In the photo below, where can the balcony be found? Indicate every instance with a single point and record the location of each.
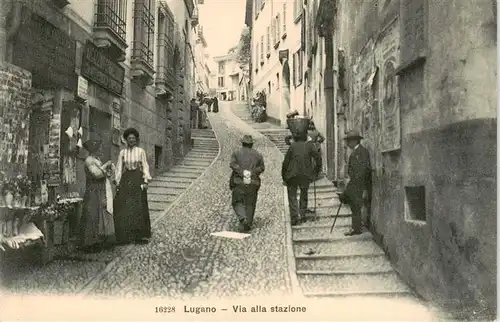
(165, 81)
(109, 30)
(142, 63)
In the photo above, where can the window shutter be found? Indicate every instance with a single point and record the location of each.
(284, 18)
(294, 72)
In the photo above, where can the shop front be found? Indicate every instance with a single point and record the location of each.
(41, 133)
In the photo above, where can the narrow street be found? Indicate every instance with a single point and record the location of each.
(184, 262)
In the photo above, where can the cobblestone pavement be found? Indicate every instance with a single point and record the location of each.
(183, 260)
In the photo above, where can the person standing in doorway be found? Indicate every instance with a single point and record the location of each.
(132, 222)
(194, 114)
(359, 182)
(302, 161)
(247, 165)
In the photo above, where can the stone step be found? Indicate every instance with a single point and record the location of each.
(166, 190)
(181, 169)
(157, 205)
(166, 181)
(322, 222)
(205, 148)
(352, 246)
(193, 161)
(182, 175)
(324, 235)
(209, 157)
(163, 198)
(355, 263)
(330, 212)
(206, 143)
(192, 167)
(320, 232)
(360, 284)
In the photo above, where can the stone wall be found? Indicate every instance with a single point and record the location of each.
(15, 100)
(446, 99)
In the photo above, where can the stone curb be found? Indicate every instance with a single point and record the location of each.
(90, 285)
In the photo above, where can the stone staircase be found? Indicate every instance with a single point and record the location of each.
(165, 188)
(331, 264)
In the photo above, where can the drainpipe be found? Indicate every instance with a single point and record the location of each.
(13, 29)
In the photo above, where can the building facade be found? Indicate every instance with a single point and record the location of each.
(415, 78)
(278, 55)
(227, 75)
(98, 69)
(202, 57)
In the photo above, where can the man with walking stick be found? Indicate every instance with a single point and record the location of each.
(298, 168)
(359, 184)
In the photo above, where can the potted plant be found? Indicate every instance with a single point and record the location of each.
(8, 190)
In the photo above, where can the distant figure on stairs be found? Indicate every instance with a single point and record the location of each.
(247, 165)
(194, 114)
(215, 105)
(359, 185)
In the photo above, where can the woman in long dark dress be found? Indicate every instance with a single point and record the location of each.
(131, 211)
(96, 226)
(215, 105)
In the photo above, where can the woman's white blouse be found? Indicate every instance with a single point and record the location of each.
(132, 159)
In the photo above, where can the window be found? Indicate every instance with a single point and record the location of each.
(297, 9)
(221, 81)
(268, 34)
(111, 14)
(415, 203)
(269, 87)
(257, 56)
(278, 28)
(284, 18)
(262, 50)
(277, 81)
(143, 32)
(165, 48)
(298, 68)
(222, 68)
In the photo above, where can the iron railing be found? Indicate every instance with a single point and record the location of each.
(144, 32)
(106, 16)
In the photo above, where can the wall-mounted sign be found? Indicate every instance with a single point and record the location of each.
(46, 51)
(101, 70)
(83, 87)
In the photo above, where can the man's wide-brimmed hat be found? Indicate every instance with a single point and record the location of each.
(93, 143)
(247, 139)
(353, 135)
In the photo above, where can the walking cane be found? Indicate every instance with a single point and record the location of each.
(336, 216)
(315, 218)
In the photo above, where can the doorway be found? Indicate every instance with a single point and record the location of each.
(100, 124)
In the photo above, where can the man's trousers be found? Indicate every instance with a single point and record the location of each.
(297, 209)
(244, 200)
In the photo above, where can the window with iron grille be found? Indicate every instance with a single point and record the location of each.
(221, 81)
(144, 21)
(165, 47)
(111, 14)
(284, 18)
(222, 68)
(297, 9)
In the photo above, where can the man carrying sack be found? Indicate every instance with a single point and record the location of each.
(359, 184)
(247, 165)
(301, 164)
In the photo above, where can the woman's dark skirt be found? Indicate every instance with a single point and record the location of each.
(131, 211)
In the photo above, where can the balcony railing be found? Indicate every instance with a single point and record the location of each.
(106, 17)
(165, 75)
(141, 52)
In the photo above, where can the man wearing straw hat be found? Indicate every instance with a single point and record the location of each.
(247, 165)
(359, 183)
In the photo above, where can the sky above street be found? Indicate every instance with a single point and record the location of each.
(222, 21)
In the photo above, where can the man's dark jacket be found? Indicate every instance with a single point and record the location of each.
(360, 173)
(246, 159)
(298, 161)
